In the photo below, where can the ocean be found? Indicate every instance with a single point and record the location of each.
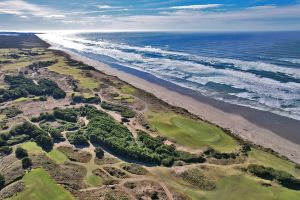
(257, 70)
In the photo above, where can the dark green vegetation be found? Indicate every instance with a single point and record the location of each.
(5, 150)
(27, 131)
(11, 112)
(41, 64)
(124, 111)
(21, 153)
(20, 86)
(26, 163)
(104, 131)
(2, 181)
(99, 152)
(55, 133)
(83, 99)
(282, 177)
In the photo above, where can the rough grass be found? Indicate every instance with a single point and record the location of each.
(84, 82)
(22, 99)
(266, 159)
(40, 186)
(191, 133)
(126, 89)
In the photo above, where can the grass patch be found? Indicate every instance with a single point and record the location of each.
(268, 160)
(22, 99)
(126, 89)
(127, 98)
(84, 82)
(31, 147)
(39, 185)
(57, 156)
(94, 180)
(191, 133)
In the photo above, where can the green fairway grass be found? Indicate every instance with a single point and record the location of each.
(191, 133)
(242, 187)
(264, 158)
(40, 186)
(57, 156)
(93, 180)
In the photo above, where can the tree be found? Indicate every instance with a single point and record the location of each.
(26, 163)
(2, 181)
(21, 153)
(45, 142)
(99, 152)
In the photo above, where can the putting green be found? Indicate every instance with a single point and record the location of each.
(191, 133)
(40, 186)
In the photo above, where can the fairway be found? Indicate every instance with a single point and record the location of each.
(239, 186)
(40, 186)
(191, 133)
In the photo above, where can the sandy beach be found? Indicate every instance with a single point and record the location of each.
(240, 120)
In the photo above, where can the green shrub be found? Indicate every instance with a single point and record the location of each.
(167, 162)
(284, 178)
(45, 142)
(21, 153)
(99, 152)
(26, 163)
(2, 181)
(5, 150)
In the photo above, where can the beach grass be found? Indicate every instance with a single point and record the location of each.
(40, 186)
(84, 82)
(269, 160)
(191, 133)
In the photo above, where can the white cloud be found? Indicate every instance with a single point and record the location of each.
(106, 7)
(262, 7)
(196, 7)
(22, 8)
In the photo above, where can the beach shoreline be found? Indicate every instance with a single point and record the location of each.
(209, 111)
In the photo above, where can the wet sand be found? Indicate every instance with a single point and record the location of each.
(279, 133)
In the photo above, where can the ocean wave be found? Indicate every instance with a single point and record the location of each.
(196, 72)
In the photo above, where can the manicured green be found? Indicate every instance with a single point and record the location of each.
(266, 159)
(242, 187)
(40, 186)
(191, 133)
(93, 180)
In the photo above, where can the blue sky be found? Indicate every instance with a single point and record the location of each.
(181, 15)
